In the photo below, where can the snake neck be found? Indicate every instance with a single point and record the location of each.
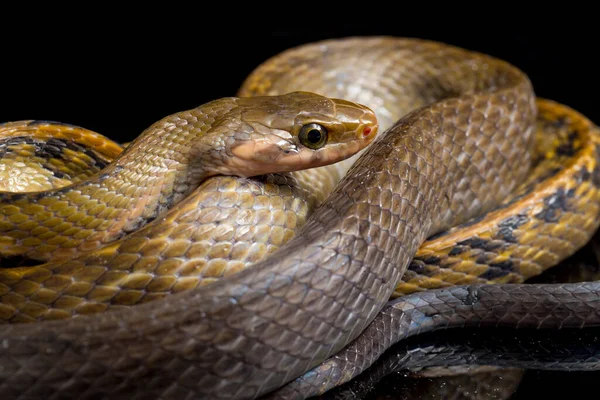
(148, 183)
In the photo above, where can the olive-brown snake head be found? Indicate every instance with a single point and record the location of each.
(298, 130)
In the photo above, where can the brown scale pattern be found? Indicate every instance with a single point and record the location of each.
(251, 331)
(539, 235)
(545, 221)
(198, 250)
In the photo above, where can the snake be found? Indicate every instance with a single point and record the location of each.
(199, 284)
(467, 351)
(461, 359)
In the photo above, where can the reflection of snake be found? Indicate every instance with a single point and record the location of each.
(459, 154)
(467, 360)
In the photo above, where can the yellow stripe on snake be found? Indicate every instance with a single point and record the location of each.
(247, 283)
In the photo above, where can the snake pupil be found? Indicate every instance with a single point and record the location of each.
(314, 136)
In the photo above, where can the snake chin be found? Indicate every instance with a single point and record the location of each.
(252, 158)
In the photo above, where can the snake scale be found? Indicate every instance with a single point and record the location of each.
(465, 361)
(229, 287)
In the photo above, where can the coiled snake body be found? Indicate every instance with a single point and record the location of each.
(463, 145)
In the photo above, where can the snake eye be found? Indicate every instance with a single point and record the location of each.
(313, 136)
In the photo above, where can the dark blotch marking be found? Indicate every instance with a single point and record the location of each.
(12, 141)
(18, 261)
(508, 225)
(53, 148)
(19, 140)
(57, 142)
(99, 162)
(560, 122)
(572, 135)
(568, 148)
(474, 243)
(554, 203)
(11, 197)
(596, 171)
(507, 235)
(498, 269)
(456, 250)
(505, 265)
(584, 175)
(596, 176)
(431, 260)
(417, 267)
(493, 273)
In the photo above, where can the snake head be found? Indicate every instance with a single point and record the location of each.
(297, 131)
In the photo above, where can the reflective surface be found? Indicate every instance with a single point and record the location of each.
(537, 352)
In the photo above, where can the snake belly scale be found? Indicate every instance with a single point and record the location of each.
(462, 143)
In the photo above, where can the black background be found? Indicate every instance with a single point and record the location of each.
(117, 78)
(119, 82)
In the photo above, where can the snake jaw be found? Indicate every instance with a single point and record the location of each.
(259, 157)
(275, 153)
